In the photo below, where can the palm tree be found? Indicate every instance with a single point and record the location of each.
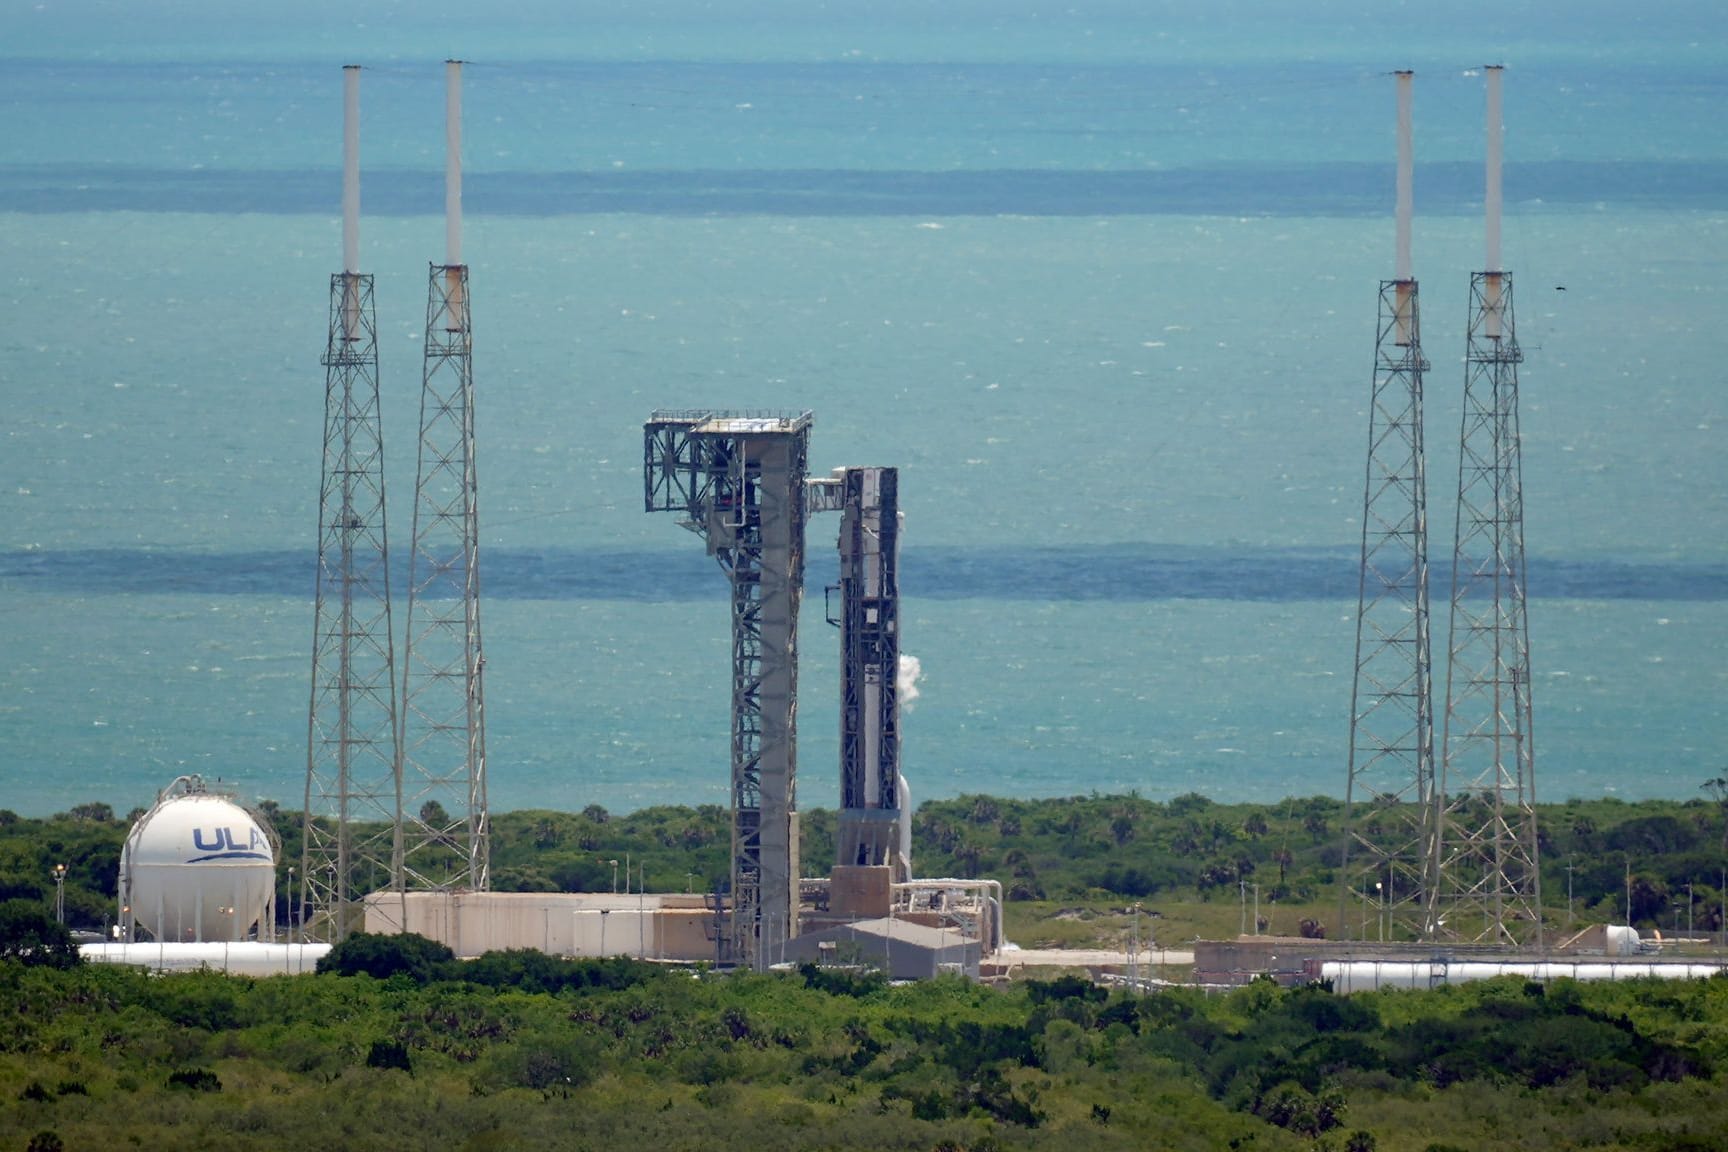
(1219, 833)
(547, 832)
(1284, 858)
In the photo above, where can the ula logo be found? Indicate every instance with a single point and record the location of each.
(227, 840)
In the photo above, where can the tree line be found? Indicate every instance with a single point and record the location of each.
(1658, 864)
(393, 1041)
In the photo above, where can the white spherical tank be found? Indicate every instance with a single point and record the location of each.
(197, 867)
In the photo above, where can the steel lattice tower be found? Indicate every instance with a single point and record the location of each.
(352, 787)
(739, 480)
(1490, 888)
(445, 834)
(1388, 800)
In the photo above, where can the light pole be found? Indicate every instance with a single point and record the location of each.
(1134, 942)
(614, 864)
(1568, 895)
(1380, 910)
(60, 893)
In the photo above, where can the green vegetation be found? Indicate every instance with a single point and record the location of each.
(394, 1039)
(522, 1050)
(1188, 861)
(32, 937)
(1072, 868)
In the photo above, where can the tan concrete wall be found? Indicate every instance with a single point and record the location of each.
(561, 924)
(860, 891)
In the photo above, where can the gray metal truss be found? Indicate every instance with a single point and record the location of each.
(738, 479)
(352, 787)
(1490, 886)
(445, 824)
(1389, 808)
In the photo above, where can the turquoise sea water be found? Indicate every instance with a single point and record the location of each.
(1101, 284)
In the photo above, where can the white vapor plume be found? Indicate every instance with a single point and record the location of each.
(906, 679)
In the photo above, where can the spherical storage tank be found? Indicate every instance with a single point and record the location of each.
(196, 867)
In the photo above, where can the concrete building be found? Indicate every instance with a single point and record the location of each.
(903, 949)
(651, 926)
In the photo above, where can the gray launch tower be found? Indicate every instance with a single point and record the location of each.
(352, 789)
(872, 800)
(1388, 848)
(1490, 885)
(738, 480)
(445, 834)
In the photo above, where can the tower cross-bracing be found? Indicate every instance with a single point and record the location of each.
(1390, 815)
(1490, 887)
(445, 834)
(351, 840)
(872, 803)
(738, 479)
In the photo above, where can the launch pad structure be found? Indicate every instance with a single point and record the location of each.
(874, 804)
(396, 784)
(738, 480)
(1445, 854)
(352, 838)
(1389, 797)
(446, 840)
(1490, 881)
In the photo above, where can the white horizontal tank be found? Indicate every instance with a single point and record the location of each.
(197, 867)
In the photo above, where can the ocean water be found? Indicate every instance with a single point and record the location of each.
(1100, 282)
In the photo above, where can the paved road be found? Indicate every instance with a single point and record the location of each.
(1085, 958)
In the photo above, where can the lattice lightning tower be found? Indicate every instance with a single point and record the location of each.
(352, 787)
(1490, 889)
(739, 480)
(1389, 800)
(445, 833)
